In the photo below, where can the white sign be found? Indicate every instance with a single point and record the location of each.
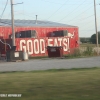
(10, 95)
(53, 49)
(38, 46)
(16, 54)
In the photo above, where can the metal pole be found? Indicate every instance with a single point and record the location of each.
(12, 18)
(36, 19)
(96, 28)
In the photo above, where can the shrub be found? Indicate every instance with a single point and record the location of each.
(88, 51)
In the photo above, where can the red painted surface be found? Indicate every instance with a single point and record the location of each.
(38, 46)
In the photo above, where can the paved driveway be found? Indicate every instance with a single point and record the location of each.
(44, 64)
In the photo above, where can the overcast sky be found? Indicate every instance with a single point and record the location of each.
(73, 12)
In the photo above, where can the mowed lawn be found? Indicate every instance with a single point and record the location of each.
(75, 84)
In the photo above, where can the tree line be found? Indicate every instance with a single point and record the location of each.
(91, 39)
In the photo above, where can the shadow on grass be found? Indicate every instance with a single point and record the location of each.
(52, 70)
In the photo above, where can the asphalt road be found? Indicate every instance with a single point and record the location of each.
(45, 64)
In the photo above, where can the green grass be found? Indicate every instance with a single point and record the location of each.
(75, 84)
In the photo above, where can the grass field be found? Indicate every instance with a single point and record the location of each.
(75, 84)
(87, 44)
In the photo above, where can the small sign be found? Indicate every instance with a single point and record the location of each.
(53, 50)
(10, 95)
(16, 54)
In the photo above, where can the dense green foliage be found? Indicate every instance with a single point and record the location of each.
(93, 38)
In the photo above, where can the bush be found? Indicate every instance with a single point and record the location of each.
(93, 38)
(88, 51)
(74, 53)
(81, 53)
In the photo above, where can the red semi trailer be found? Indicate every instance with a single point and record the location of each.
(35, 38)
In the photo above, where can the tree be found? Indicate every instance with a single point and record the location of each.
(93, 38)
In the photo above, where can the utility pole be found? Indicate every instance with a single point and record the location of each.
(96, 28)
(12, 18)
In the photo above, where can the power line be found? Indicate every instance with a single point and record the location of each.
(58, 9)
(51, 2)
(80, 14)
(86, 30)
(4, 9)
(89, 23)
(83, 19)
(89, 26)
(22, 13)
(72, 11)
(60, 3)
